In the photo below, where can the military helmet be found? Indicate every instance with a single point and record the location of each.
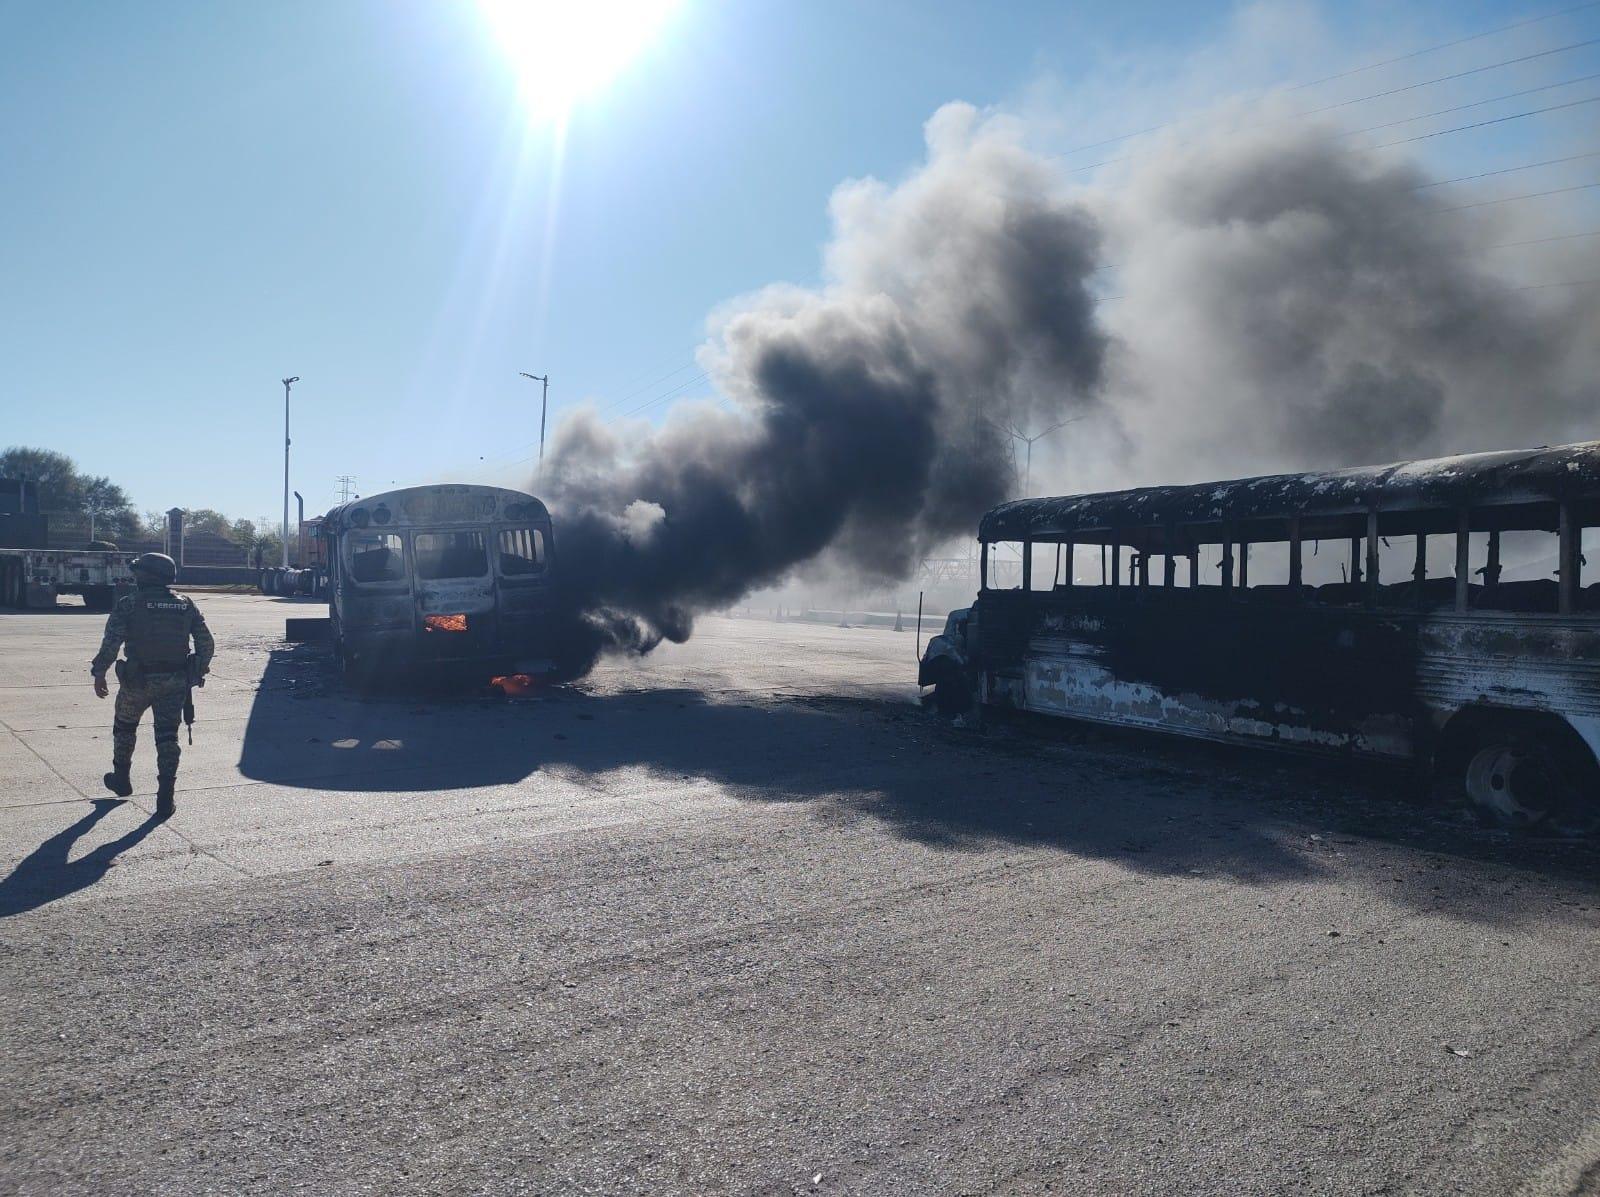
(157, 566)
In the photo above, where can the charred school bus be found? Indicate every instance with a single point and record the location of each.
(440, 578)
(1430, 611)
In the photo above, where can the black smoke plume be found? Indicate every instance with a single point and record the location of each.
(1284, 300)
(871, 414)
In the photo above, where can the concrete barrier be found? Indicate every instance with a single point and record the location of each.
(218, 575)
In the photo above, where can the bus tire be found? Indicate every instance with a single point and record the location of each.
(1522, 770)
(952, 693)
(352, 671)
(341, 654)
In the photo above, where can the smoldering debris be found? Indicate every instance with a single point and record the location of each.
(1284, 300)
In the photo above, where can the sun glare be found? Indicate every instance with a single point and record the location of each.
(563, 50)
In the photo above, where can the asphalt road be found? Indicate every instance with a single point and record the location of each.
(743, 918)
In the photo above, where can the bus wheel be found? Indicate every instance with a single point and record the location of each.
(1526, 775)
(952, 693)
(341, 654)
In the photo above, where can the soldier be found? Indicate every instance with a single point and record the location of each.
(156, 626)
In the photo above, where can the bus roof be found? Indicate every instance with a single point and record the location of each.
(1469, 479)
(445, 503)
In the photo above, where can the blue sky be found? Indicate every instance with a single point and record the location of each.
(198, 199)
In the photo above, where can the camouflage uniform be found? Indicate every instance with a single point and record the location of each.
(156, 626)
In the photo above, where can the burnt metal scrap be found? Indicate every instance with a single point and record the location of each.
(1511, 476)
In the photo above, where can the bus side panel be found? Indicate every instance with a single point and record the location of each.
(525, 619)
(1497, 659)
(1325, 678)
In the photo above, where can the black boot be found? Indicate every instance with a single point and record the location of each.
(165, 806)
(118, 782)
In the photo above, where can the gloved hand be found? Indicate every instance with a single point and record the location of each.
(100, 687)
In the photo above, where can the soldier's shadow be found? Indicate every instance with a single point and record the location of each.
(46, 874)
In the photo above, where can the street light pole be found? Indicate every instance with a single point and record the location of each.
(287, 383)
(544, 406)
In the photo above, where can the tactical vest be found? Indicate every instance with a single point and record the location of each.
(158, 630)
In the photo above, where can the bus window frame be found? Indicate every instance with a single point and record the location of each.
(1362, 529)
(543, 560)
(347, 563)
(483, 530)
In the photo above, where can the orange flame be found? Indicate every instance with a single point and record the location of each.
(513, 685)
(444, 623)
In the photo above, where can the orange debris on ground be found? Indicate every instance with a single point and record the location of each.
(513, 685)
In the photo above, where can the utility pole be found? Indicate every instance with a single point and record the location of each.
(1027, 485)
(347, 486)
(287, 383)
(544, 406)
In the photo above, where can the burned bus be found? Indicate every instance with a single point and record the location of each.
(440, 579)
(1434, 612)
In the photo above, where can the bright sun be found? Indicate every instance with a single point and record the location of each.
(563, 50)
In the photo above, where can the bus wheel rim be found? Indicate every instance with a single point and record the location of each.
(1493, 785)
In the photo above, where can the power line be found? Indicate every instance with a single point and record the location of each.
(1507, 170)
(654, 382)
(659, 398)
(1544, 240)
(1460, 41)
(1371, 96)
(1493, 66)
(1499, 120)
(1577, 282)
(1506, 199)
(1298, 115)
(1510, 95)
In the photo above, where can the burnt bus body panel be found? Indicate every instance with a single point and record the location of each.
(1333, 678)
(1297, 677)
(1380, 667)
(1441, 483)
(1367, 683)
(491, 620)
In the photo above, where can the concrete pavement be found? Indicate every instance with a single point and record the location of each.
(741, 918)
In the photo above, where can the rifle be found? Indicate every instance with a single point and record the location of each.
(193, 677)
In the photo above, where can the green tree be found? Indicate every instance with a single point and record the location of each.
(63, 490)
(268, 538)
(60, 486)
(107, 506)
(204, 519)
